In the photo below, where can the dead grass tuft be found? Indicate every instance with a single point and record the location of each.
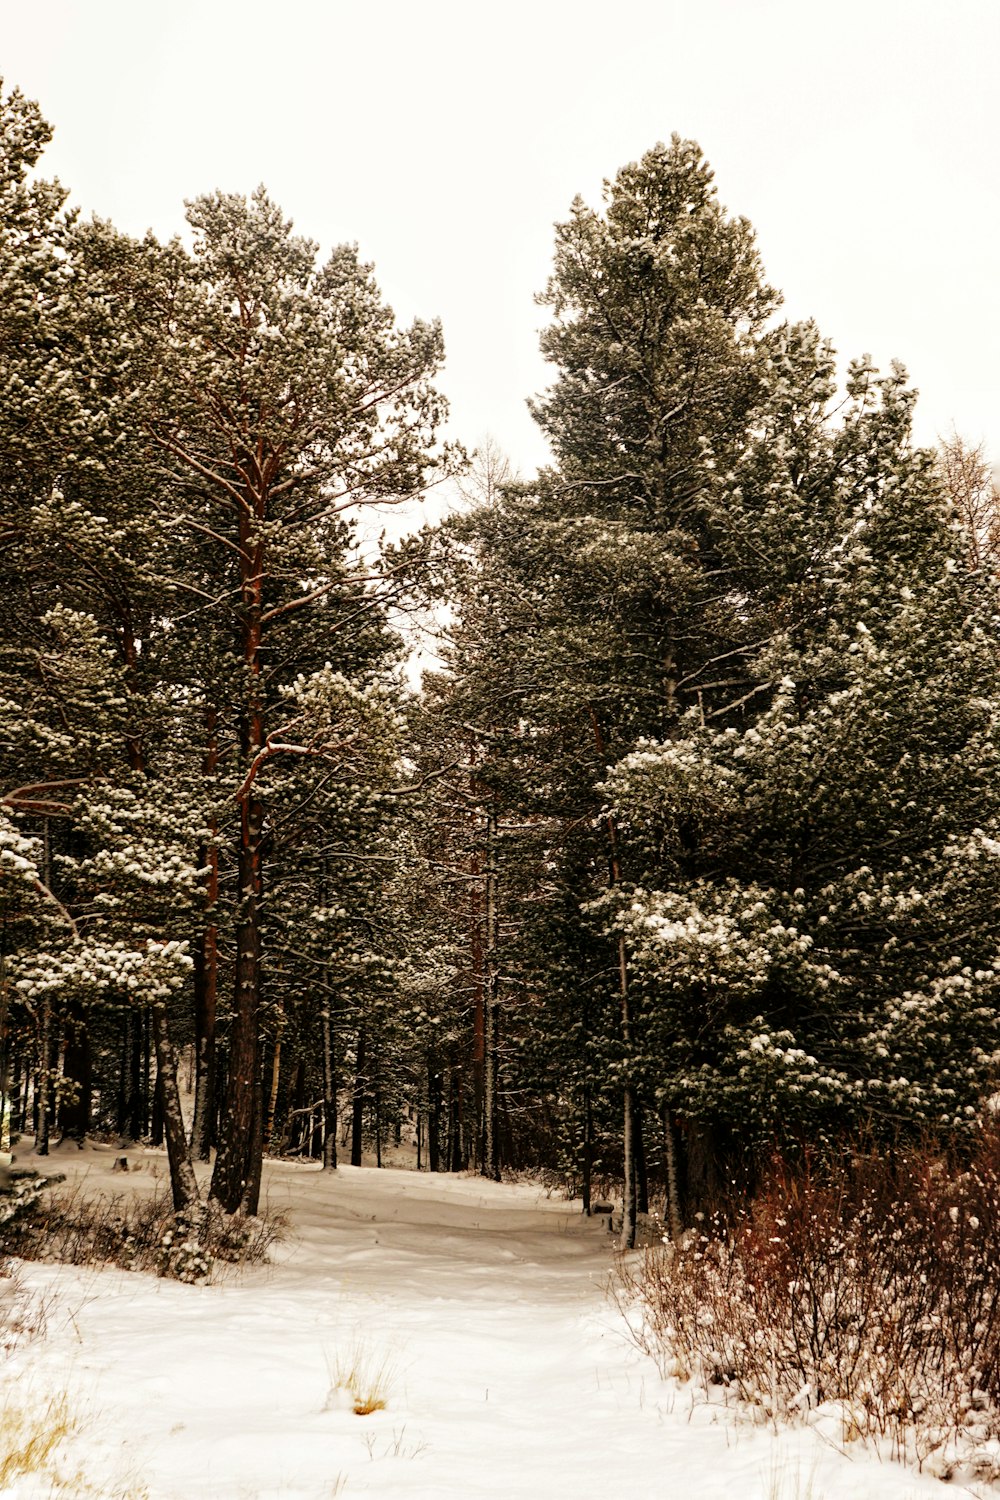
(33, 1439)
(360, 1380)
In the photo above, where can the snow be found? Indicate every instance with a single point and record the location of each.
(483, 1309)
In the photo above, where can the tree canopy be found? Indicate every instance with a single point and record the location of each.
(688, 846)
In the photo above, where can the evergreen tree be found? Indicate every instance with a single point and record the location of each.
(811, 914)
(612, 608)
(279, 396)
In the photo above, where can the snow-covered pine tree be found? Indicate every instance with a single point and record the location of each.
(814, 873)
(603, 578)
(277, 395)
(77, 594)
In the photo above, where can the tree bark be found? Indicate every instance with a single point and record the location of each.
(587, 1155)
(641, 1179)
(358, 1107)
(272, 1098)
(75, 1112)
(250, 1201)
(234, 1165)
(433, 1114)
(135, 1112)
(491, 1166)
(329, 1087)
(455, 1121)
(629, 1176)
(43, 1079)
(183, 1183)
(629, 1185)
(236, 1162)
(206, 975)
(156, 1121)
(674, 1219)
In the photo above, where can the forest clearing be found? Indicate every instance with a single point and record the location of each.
(479, 1312)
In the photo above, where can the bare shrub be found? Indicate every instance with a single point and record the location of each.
(874, 1283)
(137, 1234)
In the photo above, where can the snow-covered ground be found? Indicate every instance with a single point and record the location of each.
(480, 1307)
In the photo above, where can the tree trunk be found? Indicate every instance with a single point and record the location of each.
(329, 1088)
(433, 1114)
(674, 1219)
(629, 1186)
(641, 1178)
(491, 1166)
(25, 1091)
(250, 1201)
(587, 1156)
(183, 1183)
(136, 1105)
(478, 970)
(124, 1055)
(628, 1169)
(629, 1175)
(455, 1121)
(358, 1109)
(234, 1163)
(206, 976)
(296, 1129)
(272, 1098)
(156, 1122)
(77, 1069)
(146, 1094)
(43, 1078)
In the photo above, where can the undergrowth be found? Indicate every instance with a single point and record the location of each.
(870, 1288)
(136, 1233)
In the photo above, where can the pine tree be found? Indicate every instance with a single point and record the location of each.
(278, 396)
(611, 609)
(810, 920)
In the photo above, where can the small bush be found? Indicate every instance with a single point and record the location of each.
(135, 1233)
(19, 1200)
(874, 1284)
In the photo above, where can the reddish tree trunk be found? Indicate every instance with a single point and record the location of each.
(234, 1167)
(206, 978)
(237, 1163)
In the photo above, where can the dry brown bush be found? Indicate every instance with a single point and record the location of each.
(873, 1282)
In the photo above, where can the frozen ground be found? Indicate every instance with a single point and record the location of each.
(481, 1306)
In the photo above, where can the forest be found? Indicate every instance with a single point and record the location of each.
(684, 851)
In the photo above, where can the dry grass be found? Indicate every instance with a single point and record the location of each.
(33, 1440)
(360, 1380)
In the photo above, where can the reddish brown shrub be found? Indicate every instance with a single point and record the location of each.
(873, 1282)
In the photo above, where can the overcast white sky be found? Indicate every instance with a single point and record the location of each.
(860, 137)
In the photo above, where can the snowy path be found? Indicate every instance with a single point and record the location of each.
(508, 1374)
